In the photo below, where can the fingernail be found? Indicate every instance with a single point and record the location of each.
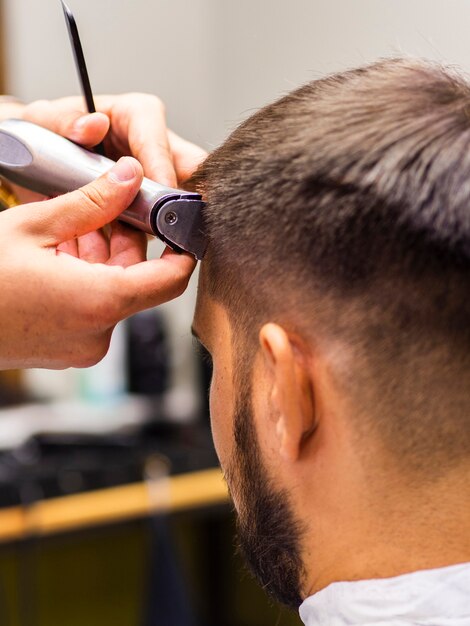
(124, 170)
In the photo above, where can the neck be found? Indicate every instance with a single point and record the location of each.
(392, 532)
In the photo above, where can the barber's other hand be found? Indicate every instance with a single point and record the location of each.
(65, 284)
(131, 125)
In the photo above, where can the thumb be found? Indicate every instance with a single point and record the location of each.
(89, 208)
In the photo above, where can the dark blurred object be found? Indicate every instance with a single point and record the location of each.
(168, 598)
(12, 390)
(52, 465)
(148, 354)
(101, 576)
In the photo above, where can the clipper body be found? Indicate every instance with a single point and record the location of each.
(42, 161)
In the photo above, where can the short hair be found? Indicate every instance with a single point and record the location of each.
(343, 210)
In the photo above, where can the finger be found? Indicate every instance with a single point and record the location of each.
(153, 282)
(88, 130)
(143, 122)
(128, 246)
(187, 156)
(93, 247)
(69, 247)
(61, 118)
(89, 208)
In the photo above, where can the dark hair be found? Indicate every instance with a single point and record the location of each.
(343, 211)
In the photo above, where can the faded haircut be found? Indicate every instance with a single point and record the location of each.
(343, 212)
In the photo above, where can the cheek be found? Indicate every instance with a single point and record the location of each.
(221, 409)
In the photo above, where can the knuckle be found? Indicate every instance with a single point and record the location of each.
(94, 340)
(138, 144)
(37, 108)
(145, 100)
(92, 196)
(107, 314)
(94, 352)
(100, 314)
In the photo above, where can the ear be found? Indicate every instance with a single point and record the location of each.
(292, 391)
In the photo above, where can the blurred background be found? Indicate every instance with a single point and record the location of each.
(112, 509)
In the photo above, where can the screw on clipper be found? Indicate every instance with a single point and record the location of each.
(171, 218)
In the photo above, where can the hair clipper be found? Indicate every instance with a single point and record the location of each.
(40, 160)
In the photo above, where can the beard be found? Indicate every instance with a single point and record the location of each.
(268, 533)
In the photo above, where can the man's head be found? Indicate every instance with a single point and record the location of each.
(334, 301)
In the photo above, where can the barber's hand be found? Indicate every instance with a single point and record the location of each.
(60, 301)
(133, 124)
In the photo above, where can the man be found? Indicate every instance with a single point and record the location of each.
(334, 302)
(65, 282)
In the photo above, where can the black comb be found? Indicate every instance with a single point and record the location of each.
(81, 65)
